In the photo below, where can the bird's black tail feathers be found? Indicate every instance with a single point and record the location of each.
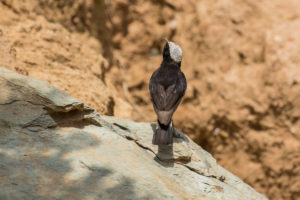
(163, 135)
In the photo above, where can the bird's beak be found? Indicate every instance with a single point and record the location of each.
(167, 40)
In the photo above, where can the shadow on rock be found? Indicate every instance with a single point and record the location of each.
(51, 166)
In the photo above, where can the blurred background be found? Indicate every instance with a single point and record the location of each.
(241, 59)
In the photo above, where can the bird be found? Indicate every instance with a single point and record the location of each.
(167, 87)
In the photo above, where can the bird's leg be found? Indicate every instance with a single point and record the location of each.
(175, 133)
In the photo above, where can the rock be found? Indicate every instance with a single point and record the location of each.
(53, 146)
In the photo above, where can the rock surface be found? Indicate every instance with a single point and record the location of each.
(53, 146)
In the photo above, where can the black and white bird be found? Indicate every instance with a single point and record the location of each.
(167, 87)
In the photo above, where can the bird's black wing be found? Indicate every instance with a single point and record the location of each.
(174, 93)
(166, 101)
(157, 92)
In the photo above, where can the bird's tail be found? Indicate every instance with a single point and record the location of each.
(163, 135)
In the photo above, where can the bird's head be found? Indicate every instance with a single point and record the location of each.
(172, 51)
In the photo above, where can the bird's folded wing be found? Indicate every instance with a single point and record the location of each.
(166, 101)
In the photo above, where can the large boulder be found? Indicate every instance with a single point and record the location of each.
(53, 146)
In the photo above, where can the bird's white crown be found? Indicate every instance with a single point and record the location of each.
(175, 51)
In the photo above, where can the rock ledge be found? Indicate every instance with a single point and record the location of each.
(53, 146)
